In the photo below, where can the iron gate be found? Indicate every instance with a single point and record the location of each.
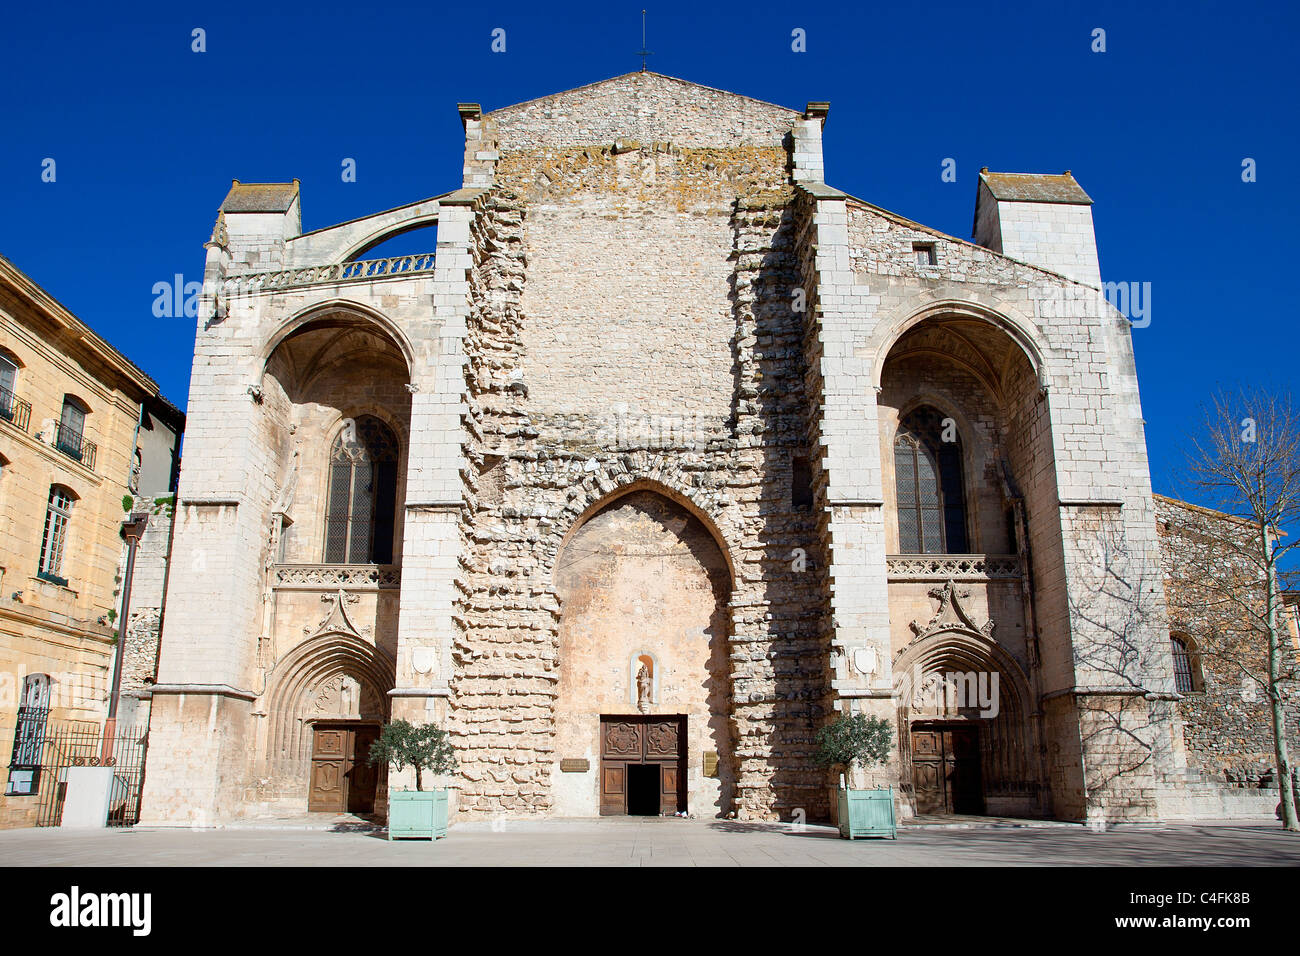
(80, 744)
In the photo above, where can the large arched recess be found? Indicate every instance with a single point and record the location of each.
(643, 577)
(341, 312)
(1018, 331)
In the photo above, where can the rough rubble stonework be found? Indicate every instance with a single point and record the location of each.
(648, 400)
(1225, 719)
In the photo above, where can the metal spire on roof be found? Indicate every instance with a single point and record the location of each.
(643, 52)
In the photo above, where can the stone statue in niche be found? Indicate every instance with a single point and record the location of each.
(133, 482)
(643, 689)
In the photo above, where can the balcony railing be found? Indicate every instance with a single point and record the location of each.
(957, 567)
(316, 577)
(333, 272)
(14, 409)
(72, 444)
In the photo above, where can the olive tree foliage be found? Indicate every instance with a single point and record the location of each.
(424, 747)
(855, 740)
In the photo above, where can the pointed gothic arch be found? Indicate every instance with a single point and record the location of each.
(943, 680)
(301, 690)
(641, 576)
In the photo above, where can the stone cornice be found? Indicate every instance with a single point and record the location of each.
(222, 690)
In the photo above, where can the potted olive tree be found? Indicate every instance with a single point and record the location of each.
(855, 743)
(418, 813)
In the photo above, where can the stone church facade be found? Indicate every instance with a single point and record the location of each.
(665, 454)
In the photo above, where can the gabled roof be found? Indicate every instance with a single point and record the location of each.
(1035, 187)
(634, 78)
(260, 197)
(643, 108)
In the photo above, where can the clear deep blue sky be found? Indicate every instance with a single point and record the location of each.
(147, 136)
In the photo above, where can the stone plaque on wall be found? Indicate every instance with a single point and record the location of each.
(574, 765)
(710, 763)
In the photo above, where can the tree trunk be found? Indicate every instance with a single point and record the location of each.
(1289, 821)
(418, 784)
(1278, 717)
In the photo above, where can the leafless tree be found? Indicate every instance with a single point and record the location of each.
(1246, 465)
(1113, 615)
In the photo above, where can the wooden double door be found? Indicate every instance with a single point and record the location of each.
(642, 765)
(946, 768)
(342, 777)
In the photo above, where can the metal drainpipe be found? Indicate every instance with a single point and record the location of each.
(132, 530)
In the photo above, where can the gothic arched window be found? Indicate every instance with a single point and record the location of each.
(362, 500)
(929, 485)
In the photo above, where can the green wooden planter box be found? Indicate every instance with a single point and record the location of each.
(417, 814)
(867, 813)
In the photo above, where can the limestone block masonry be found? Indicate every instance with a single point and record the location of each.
(681, 437)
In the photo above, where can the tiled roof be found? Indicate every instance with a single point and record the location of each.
(1035, 187)
(260, 197)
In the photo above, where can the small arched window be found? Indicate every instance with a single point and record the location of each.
(929, 485)
(1184, 666)
(362, 503)
(57, 515)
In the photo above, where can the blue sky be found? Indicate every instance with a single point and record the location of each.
(146, 136)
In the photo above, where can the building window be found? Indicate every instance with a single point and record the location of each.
(801, 490)
(12, 408)
(29, 737)
(8, 376)
(57, 516)
(929, 485)
(1184, 672)
(362, 503)
(924, 252)
(70, 438)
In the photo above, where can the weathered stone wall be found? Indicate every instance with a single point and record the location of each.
(588, 373)
(1225, 720)
(149, 578)
(644, 108)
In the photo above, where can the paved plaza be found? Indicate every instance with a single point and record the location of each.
(656, 842)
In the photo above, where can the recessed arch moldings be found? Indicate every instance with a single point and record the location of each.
(309, 665)
(956, 647)
(322, 310)
(1018, 330)
(600, 489)
(970, 436)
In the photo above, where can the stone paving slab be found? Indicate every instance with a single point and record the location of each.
(652, 842)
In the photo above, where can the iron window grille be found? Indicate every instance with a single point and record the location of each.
(929, 486)
(29, 737)
(362, 502)
(1184, 678)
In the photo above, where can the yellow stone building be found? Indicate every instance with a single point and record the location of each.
(81, 428)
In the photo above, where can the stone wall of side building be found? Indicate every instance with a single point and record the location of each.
(1225, 716)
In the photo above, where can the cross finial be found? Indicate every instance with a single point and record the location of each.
(643, 52)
